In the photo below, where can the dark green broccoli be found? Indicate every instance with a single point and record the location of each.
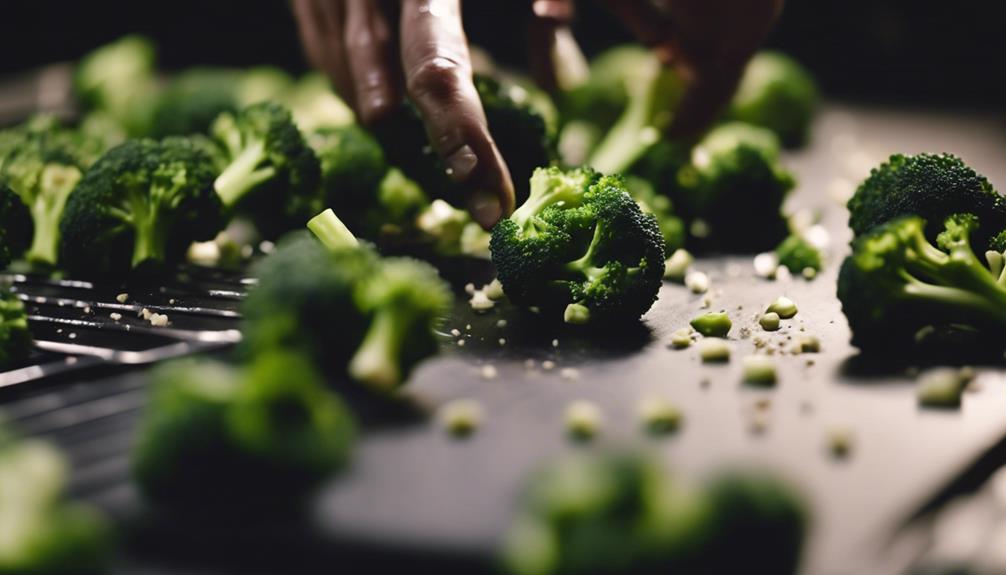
(581, 247)
(44, 533)
(119, 79)
(16, 227)
(400, 201)
(304, 300)
(142, 202)
(520, 132)
(624, 514)
(671, 226)
(216, 436)
(931, 186)
(15, 337)
(352, 167)
(193, 99)
(733, 190)
(272, 174)
(776, 93)
(797, 254)
(897, 289)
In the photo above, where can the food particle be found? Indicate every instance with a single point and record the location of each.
(714, 350)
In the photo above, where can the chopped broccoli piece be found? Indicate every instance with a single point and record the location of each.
(143, 202)
(898, 289)
(215, 436)
(777, 93)
(519, 131)
(272, 174)
(15, 338)
(735, 184)
(797, 254)
(712, 324)
(43, 532)
(932, 187)
(120, 80)
(580, 239)
(623, 514)
(42, 162)
(404, 299)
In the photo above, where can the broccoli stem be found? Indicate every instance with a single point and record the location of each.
(332, 233)
(541, 199)
(376, 361)
(243, 174)
(57, 181)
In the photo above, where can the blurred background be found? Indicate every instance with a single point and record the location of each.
(911, 51)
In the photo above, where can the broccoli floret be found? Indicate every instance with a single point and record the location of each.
(16, 227)
(142, 202)
(120, 79)
(897, 287)
(931, 186)
(777, 93)
(272, 174)
(43, 532)
(216, 436)
(580, 239)
(623, 514)
(404, 298)
(671, 226)
(735, 186)
(15, 337)
(193, 99)
(797, 254)
(352, 167)
(602, 98)
(520, 132)
(653, 94)
(304, 300)
(315, 105)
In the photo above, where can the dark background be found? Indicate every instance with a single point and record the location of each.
(910, 51)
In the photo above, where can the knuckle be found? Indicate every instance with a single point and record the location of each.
(438, 76)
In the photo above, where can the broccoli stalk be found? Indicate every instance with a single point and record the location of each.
(375, 361)
(549, 187)
(244, 172)
(331, 231)
(897, 285)
(56, 183)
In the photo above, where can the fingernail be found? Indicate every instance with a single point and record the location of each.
(461, 163)
(485, 207)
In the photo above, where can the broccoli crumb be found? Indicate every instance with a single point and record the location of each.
(766, 264)
(942, 388)
(808, 273)
(501, 323)
(659, 416)
(681, 338)
(480, 302)
(502, 341)
(158, 319)
(583, 420)
(494, 290)
(676, 267)
(769, 321)
(461, 417)
(122, 298)
(489, 372)
(840, 442)
(783, 306)
(697, 282)
(714, 350)
(759, 370)
(712, 324)
(577, 314)
(548, 365)
(570, 373)
(115, 316)
(809, 344)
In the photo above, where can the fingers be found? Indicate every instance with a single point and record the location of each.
(650, 25)
(556, 60)
(438, 79)
(321, 23)
(373, 66)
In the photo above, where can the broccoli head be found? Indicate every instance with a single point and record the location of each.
(352, 166)
(120, 80)
(315, 105)
(798, 254)
(15, 337)
(580, 240)
(43, 532)
(520, 132)
(271, 173)
(776, 93)
(142, 202)
(41, 161)
(621, 513)
(931, 186)
(735, 185)
(304, 299)
(404, 299)
(671, 226)
(219, 436)
(16, 227)
(897, 288)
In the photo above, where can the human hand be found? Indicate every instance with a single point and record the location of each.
(377, 51)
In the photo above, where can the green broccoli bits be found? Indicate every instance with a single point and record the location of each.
(712, 324)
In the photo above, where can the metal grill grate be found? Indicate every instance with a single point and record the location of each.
(81, 325)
